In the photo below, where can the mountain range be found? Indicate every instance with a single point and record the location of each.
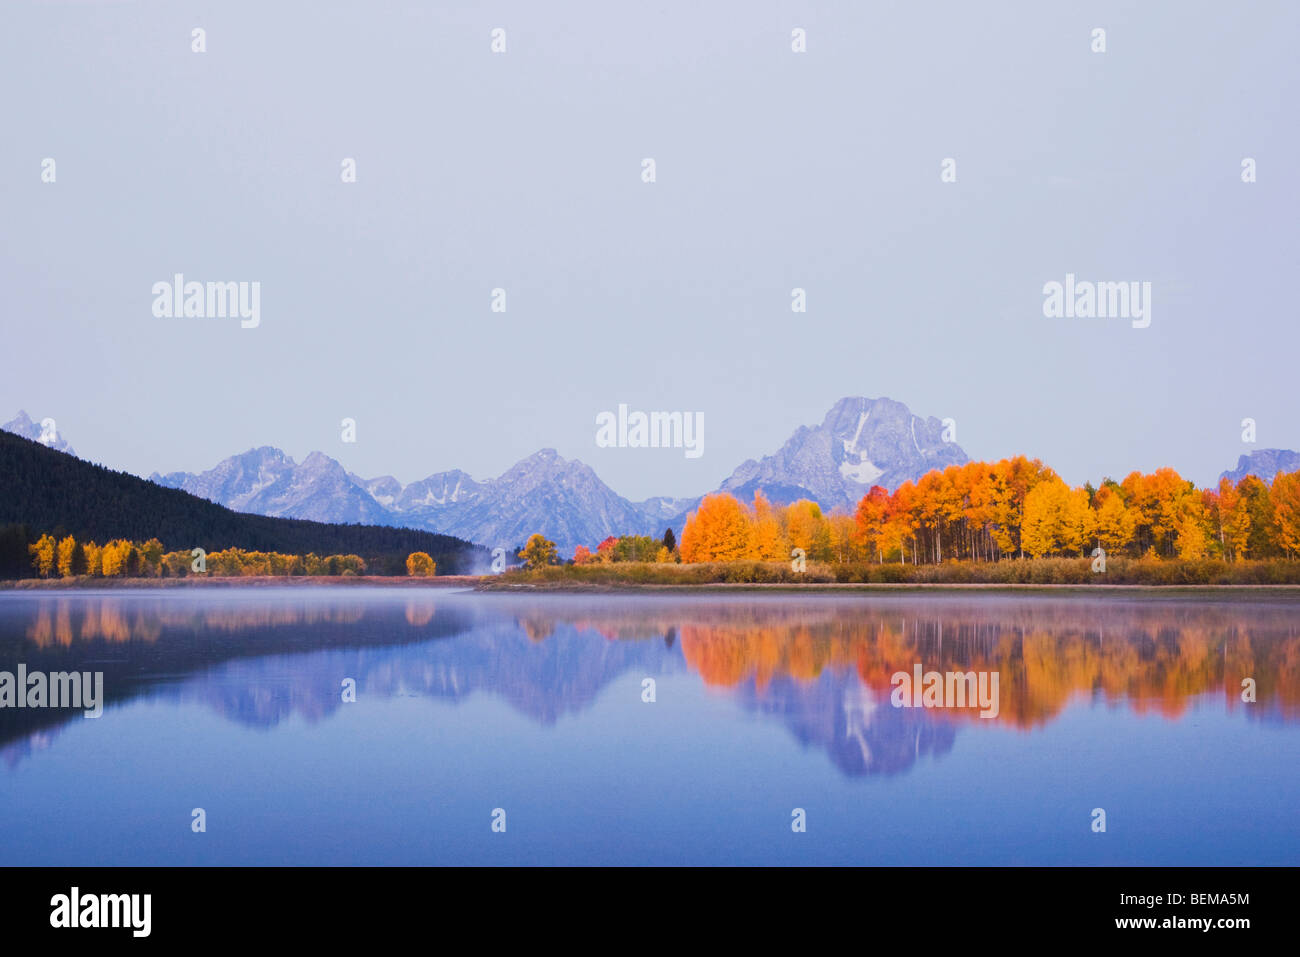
(46, 491)
(1264, 464)
(859, 443)
(46, 432)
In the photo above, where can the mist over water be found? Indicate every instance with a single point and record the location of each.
(232, 701)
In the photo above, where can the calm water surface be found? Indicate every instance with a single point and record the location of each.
(231, 700)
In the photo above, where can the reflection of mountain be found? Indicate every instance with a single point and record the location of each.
(545, 679)
(819, 665)
(167, 645)
(858, 729)
(257, 660)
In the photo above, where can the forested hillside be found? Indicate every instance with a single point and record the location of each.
(42, 491)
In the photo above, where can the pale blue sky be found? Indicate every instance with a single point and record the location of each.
(522, 171)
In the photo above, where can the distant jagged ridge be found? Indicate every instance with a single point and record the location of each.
(563, 499)
(1264, 464)
(861, 442)
(22, 424)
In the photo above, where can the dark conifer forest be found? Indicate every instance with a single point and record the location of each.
(45, 491)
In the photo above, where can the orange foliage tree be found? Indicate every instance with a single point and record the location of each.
(718, 531)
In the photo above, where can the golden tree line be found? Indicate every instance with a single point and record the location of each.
(1013, 508)
(68, 558)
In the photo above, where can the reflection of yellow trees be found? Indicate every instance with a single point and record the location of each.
(1156, 670)
(537, 628)
(41, 633)
(97, 621)
(625, 629)
(104, 623)
(63, 621)
(275, 615)
(725, 655)
(419, 613)
(1157, 657)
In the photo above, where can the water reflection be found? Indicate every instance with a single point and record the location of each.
(819, 666)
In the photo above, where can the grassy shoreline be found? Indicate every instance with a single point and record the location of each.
(877, 587)
(1041, 572)
(1066, 576)
(84, 582)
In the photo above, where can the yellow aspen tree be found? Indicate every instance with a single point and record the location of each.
(1115, 523)
(844, 539)
(151, 553)
(900, 526)
(1166, 491)
(1080, 522)
(808, 529)
(1191, 536)
(1043, 524)
(94, 559)
(420, 565)
(1234, 520)
(67, 548)
(768, 543)
(44, 561)
(870, 519)
(720, 530)
(1013, 478)
(538, 552)
(114, 558)
(1286, 511)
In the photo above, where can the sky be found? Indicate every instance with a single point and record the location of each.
(523, 171)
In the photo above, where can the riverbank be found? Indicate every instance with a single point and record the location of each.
(81, 583)
(510, 585)
(1077, 573)
(574, 588)
(1024, 575)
